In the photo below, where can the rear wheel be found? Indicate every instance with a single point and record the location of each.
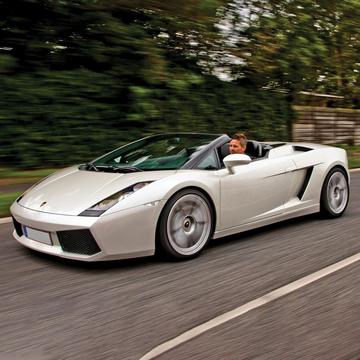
(186, 224)
(334, 193)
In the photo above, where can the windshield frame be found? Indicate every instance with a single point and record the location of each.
(190, 163)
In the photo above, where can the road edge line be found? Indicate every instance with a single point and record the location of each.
(265, 299)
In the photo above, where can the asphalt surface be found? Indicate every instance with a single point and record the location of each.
(59, 309)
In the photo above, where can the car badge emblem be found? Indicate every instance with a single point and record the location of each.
(44, 203)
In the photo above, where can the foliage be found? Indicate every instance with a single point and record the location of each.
(80, 78)
(295, 45)
(80, 125)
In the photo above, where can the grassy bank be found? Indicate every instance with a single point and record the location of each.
(9, 177)
(353, 153)
(5, 201)
(14, 176)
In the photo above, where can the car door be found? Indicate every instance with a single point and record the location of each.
(255, 191)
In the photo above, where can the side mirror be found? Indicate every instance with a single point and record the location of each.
(233, 160)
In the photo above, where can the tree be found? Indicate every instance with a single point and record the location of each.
(296, 45)
(81, 77)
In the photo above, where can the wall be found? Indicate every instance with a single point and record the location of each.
(326, 125)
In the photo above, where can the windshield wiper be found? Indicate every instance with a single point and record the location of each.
(111, 168)
(91, 166)
(126, 169)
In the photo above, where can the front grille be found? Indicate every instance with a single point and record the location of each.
(18, 227)
(78, 241)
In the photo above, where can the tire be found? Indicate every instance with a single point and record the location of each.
(186, 224)
(334, 193)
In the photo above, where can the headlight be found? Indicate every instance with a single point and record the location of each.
(106, 204)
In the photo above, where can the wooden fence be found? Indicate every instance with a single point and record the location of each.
(326, 125)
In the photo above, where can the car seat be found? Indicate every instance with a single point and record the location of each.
(253, 149)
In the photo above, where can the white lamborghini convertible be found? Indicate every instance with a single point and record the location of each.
(173, 193)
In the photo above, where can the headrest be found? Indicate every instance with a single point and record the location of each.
(253, 149)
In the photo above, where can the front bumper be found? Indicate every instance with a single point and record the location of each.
(124, 234)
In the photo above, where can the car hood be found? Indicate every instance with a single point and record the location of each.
(71, 191)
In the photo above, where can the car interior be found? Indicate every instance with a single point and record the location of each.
(254, 149)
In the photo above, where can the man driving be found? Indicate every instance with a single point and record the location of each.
(237, 144)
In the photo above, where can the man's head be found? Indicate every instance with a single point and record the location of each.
(237, 144)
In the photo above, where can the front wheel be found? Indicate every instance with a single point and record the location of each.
(334, 193)
(186, 224)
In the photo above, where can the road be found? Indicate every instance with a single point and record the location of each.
(57, 309)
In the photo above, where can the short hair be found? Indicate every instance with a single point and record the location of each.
(240, 137)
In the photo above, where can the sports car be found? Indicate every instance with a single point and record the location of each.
(172, 193)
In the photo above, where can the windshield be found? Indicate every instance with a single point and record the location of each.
(159, 152)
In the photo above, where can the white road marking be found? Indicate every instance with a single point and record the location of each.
(265, 299)
(5, 220)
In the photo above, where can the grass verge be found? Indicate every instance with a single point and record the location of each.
(13, 176)
(13, 173)
(353, 153)
(5, 201)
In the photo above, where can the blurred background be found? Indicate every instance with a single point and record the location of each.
(79, 78)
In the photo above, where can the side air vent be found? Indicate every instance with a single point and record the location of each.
(301, 148)
(18, 227)
(306, 182)
(78, 242)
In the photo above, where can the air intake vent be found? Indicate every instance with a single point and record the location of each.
(301, 148)
(78, 242)
(18, 227)
(306, 182)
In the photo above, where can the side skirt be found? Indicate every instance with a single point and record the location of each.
(274, 219)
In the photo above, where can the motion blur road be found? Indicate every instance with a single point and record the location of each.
(58, 309)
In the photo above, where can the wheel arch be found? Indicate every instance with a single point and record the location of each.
(323, 206)
(322, 172)
(203, 192)
(340, 166)
(335, 166)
